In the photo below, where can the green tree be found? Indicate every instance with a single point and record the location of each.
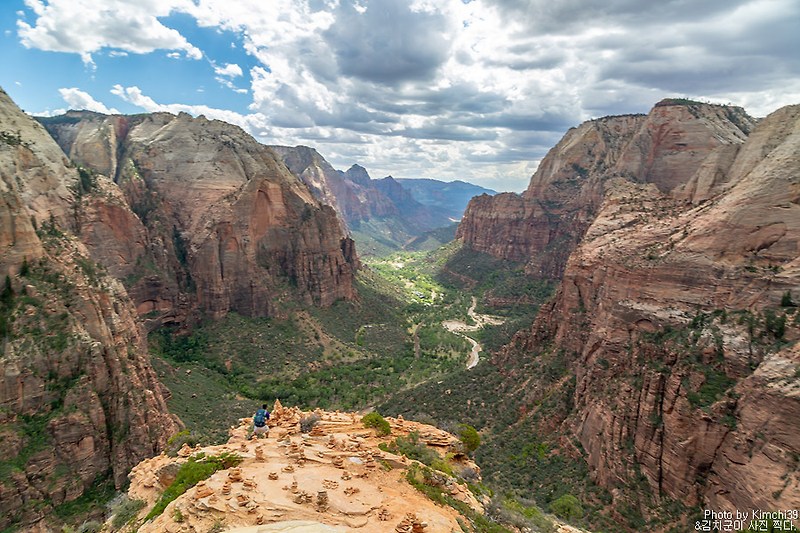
(376, 421)
(469, 437)
(567, 507)
(786, 300)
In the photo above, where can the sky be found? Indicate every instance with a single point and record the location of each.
(476, 90)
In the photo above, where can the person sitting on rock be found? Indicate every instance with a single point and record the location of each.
(260, 426)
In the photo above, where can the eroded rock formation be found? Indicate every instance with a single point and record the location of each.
(677, 147)
(78, 398)
(210, 219)
(675, 314)
(328, 480)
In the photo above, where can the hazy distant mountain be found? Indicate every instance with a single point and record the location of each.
(450, 197)
(381, 215)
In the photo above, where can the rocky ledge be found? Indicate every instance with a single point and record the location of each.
(334, 479)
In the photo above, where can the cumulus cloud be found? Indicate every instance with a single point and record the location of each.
(77, 99)
(230, 70)
(416, 44)
(447, 88)
(87, 26)
(134, 95)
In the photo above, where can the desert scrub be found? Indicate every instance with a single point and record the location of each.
(412, 448)
(196, 469)
(125, 512)
(378, 423)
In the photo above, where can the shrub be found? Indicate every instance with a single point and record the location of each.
(177, 441)
(126, 512)
(412, 448)
(786, 300)
(567, 507)
(196, 469)
(307, 423)
(378, 423)
(469, 437)
(92, 526)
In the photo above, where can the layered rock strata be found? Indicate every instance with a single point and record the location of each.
(678, 321)
(78, 398)
(681, 148)
(211, 221)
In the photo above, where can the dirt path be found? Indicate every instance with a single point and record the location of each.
(458, 327)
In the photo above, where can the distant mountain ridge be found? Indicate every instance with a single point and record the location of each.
(450, 196)
(381, 214)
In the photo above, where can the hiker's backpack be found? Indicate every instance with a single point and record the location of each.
(260, 420)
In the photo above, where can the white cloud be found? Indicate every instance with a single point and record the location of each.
(134, 95)
(77, 99)
(87, 26)
(443, 88)
(230, 70)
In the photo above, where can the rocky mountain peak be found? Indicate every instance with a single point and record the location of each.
(358, 174)
(225, 224)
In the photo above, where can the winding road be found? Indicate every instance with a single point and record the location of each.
(458, 327)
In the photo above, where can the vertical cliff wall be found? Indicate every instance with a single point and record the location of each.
(214, 222)
(678, 321)
(678, 147)
(78, 398)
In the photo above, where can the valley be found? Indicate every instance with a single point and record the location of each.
(618, 343)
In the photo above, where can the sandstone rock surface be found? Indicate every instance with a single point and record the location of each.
(309, 492)
(211, 220)
(78, 398)
(670, 316)
(683, 149)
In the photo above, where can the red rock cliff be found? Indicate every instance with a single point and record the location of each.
(675, 320)
(211, 220)
(78, 398)
(676, 146)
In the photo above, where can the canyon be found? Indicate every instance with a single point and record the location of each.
(675, 236)
(666, 362)
(205, 220)
(123, 225)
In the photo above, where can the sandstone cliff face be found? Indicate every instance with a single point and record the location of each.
(211, 220)
(680, 148)
(670, 315)
(78, 398)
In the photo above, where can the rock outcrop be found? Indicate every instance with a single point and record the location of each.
(207, 219)
(78, 398)
(676, 315)
(681, 148)
(334, 478)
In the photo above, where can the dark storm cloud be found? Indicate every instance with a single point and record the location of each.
(388, 43)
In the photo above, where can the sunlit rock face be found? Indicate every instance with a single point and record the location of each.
(675, 315)
(78, 398)
(682, 149)
(207, 220)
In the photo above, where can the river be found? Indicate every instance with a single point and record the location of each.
(458, 327)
